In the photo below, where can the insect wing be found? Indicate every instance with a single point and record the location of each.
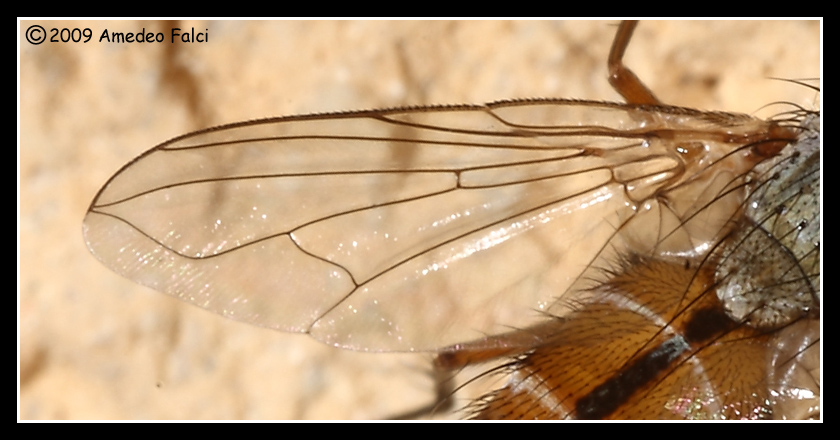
(398, 230)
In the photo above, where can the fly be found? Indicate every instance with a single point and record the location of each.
(344, 226)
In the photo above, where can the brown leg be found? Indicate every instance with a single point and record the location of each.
(450, 360)
(623, 80)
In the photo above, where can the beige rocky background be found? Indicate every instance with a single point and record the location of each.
(96, 346)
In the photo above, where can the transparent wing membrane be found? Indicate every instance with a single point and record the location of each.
(414, 229)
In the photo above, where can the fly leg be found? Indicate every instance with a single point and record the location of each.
(442, 402)
(450, 360)
(623, 80)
